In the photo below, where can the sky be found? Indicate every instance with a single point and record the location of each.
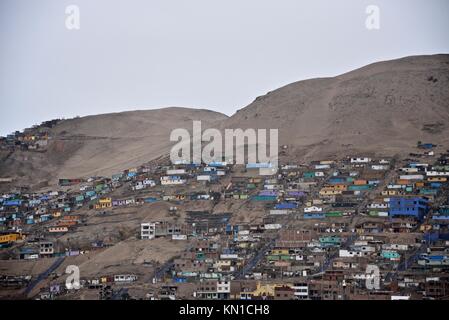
(218, 55)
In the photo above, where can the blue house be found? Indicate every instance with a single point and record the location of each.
(426, 145)
(314, 216)
(217, 164)
(12, 203)
(415, 207)
(337, 180)
(285, 205)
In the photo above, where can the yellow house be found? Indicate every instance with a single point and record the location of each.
(104, 203)
(29, 138)
(243, 245)
(425, 227)
(279, 251)
(56, 214)
(10, 237)
(341, 187)
(419, 184)
(264, 290)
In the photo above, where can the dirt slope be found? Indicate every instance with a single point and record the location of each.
(384, 107)
(104, 144)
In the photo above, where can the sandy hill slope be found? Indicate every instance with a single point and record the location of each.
(104, 144)
(385, 107)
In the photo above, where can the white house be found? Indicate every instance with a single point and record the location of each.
(149, 182)
(46, 248)
(172, 180)
(172, 172)
(313, 209)
(412, 177)
(301, 290)
(379, 167)
(147, 230)
(273, 226)
(360, 160)
(279, 212)
(392, 246)
(125, 278)
(224, 286)
(349, 254)
(437, 173)
(378, 206)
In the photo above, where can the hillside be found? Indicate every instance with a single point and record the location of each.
(103, 144)
(385, 108)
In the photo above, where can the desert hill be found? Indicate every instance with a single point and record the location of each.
(104, 144)
(385, 107)
(382, 108)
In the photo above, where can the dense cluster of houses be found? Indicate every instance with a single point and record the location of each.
(319, 227)
(34, 138)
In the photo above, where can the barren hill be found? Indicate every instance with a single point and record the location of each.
(385, 107)
(104, 144)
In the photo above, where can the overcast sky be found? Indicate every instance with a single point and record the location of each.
(220, 55)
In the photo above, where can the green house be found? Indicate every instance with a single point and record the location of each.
(334, 214)
(359, 188)
(308, 175)
(330, 240)
(390, 255)
(429, 191)
(273, 258)
(200, 256)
